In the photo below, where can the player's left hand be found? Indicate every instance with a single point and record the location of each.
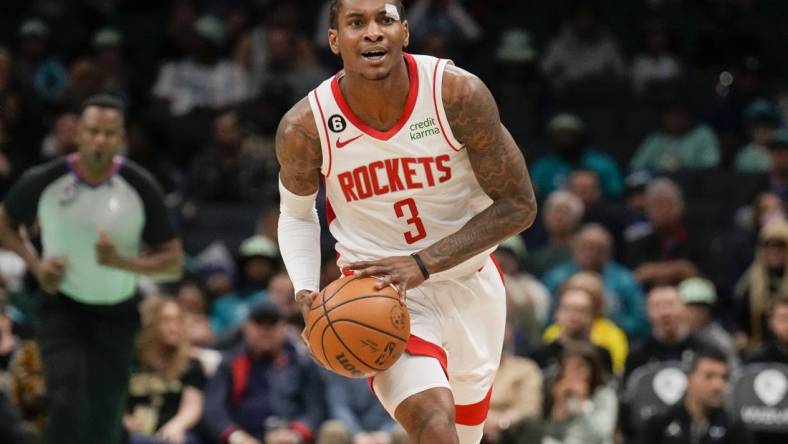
(400, 271)
(106, 253)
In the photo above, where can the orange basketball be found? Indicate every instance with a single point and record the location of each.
(355, 330)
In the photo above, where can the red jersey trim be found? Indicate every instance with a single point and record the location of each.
(325, 130)
(473, 414)
(498, 267)
(435, 102)
(410, 103)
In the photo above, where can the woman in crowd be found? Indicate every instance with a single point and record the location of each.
(166, 386)
(580, 406)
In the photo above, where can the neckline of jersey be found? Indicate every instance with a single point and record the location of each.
(117, 164)
(410, 103)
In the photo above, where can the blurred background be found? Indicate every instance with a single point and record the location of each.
(654, 134)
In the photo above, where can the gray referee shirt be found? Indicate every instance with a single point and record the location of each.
(129, 207)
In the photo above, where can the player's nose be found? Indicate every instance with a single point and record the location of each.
(374, 33)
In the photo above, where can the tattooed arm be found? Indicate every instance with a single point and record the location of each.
(298, 150)
(300, 158)
(499, 167)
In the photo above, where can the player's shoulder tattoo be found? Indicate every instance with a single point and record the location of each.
(298, 149)
(470, 108)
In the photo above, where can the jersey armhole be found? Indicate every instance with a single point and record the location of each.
(440, 112)
(322, 130)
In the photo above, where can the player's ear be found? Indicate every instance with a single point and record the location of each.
(333, 40)
(406, 30)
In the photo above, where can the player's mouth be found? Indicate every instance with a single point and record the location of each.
(374, 54)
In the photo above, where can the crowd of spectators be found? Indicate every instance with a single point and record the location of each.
(654, 135)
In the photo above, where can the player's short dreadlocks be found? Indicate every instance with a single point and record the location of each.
(333, 7)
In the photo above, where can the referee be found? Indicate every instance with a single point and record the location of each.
(95, 211)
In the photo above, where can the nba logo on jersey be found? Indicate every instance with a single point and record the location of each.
(396, 191)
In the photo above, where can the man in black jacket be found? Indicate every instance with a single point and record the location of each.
(699, 418)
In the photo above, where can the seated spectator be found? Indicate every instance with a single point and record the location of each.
(519, 89)
(112, 66)
(699, 417)
(766, 278)
(660, 251)
(773, 350)
(580, 405)
(257, 263)
(777, 181)
(604, 333)
(670, 331)
(62, 138)
(234, 167)
(37, 71)
(658, 62)
(527, 307)
(516, 401)
(166, 387)
(776, 348)
(699, 297)
(445, 17)
(592, 248)
(357, 417)
(585, 184)
(575, 318)
(762, 120)
(570, 151)
(264, 381)
(582, 49)
(204, 79)
(562, 213)
(679, 144)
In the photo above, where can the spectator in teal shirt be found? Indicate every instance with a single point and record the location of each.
(258, 262)
(571, 152)
(680, 144)
(624, 300)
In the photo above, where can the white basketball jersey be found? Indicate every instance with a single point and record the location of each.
(396, 192)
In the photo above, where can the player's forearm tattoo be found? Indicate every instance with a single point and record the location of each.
(298, 150)
(500, 169)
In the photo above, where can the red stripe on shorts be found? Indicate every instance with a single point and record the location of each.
(420, 347)
(473, 414)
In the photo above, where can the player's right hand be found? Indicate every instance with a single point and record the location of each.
(304, 299)
(49, 273)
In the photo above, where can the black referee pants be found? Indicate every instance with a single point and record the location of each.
(87, 351)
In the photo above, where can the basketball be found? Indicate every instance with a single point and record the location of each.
(355, 330)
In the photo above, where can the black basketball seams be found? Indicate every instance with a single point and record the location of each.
(370, 327)
(339, 338)
(323, 347)
(349, 280)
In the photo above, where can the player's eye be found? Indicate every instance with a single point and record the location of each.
(387, 20)
(355, 23)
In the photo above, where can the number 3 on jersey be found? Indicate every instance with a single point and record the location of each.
(399, 209)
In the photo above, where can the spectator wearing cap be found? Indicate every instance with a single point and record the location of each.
(570, 151)
(257, 263)
(109, 59)
(764, 280)
(700, 297)
(519, 88)
(762, 120)
(561, 217)
(264, 381)
(679, 144)
(38, 72)
(205, 79)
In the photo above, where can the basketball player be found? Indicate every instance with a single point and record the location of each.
(422, 181)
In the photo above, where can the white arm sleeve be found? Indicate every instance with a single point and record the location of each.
(299, 239)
